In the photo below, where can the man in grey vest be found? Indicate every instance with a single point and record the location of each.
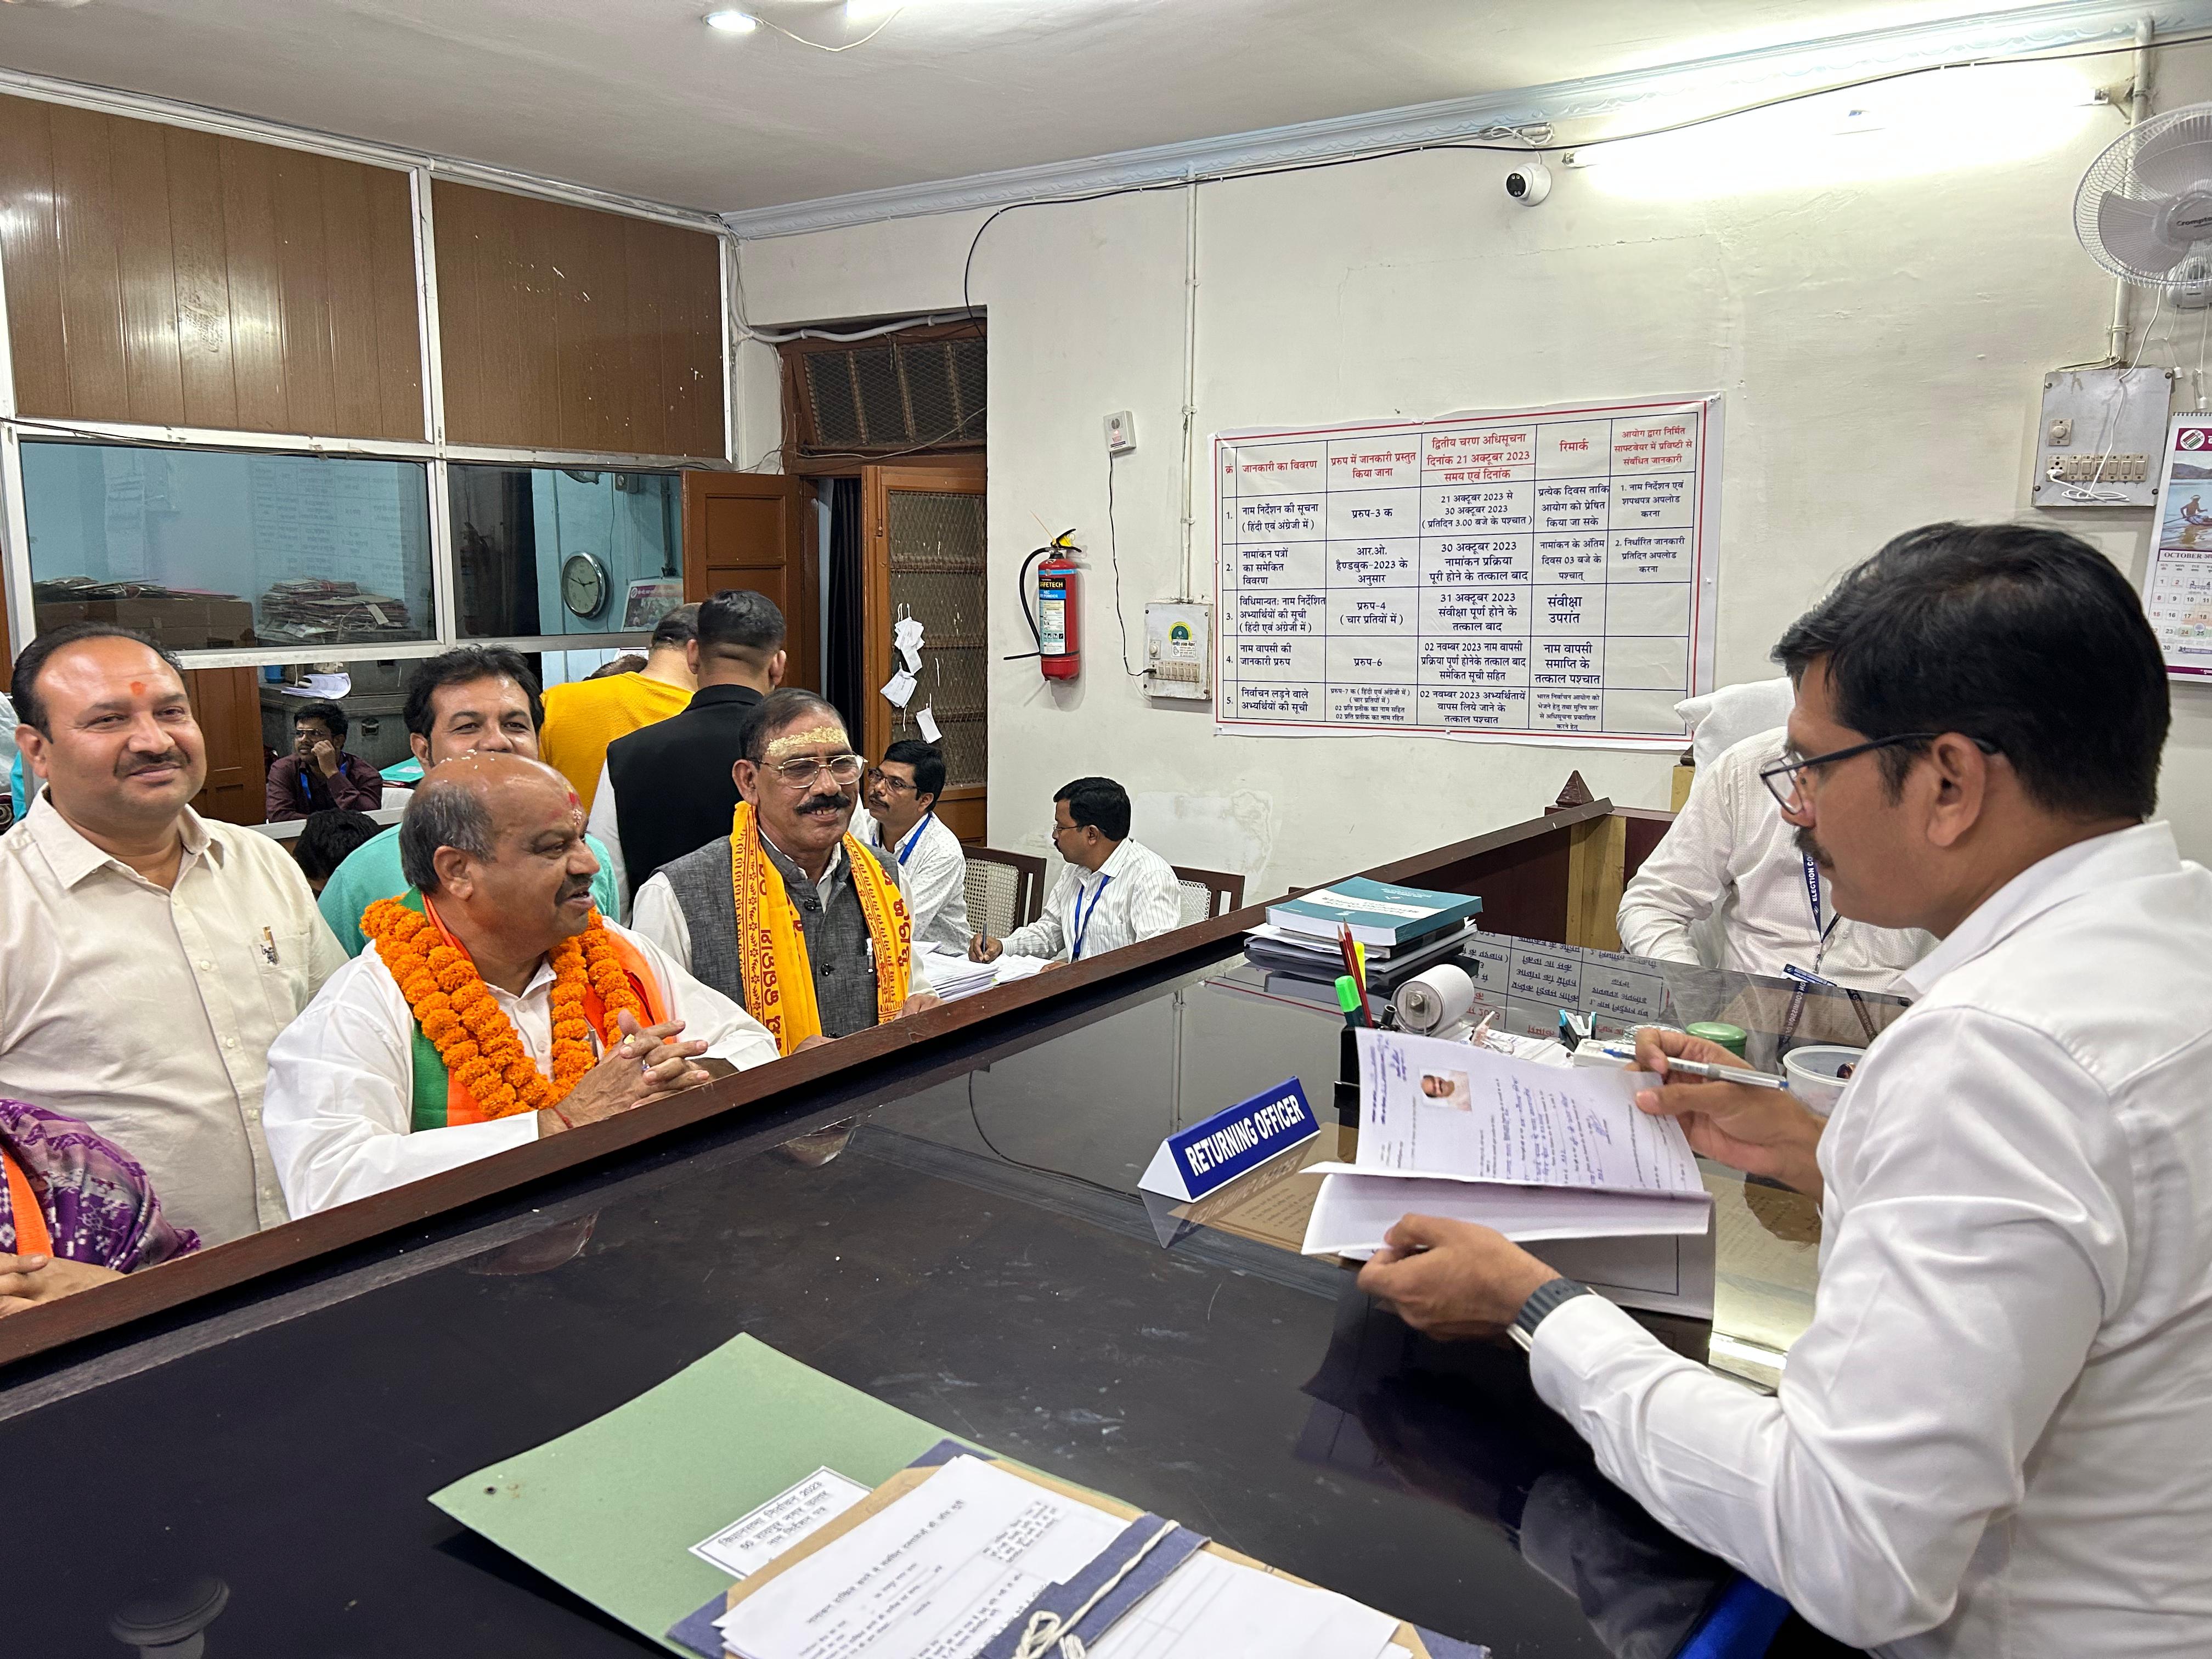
(791, 916)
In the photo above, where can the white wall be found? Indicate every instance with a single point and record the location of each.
(1881, 347)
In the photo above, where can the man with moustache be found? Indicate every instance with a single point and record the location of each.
(1996, 1435)
(148, 955)
(494, 1006)
(790, 916)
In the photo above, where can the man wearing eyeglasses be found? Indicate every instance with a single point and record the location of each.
(791, 916)
(901, 821)
(1995, 1436)
(1731, 856)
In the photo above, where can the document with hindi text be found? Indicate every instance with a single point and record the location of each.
(1435, 1108)
(1545, 1153)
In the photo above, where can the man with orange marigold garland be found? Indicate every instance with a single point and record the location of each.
(494, 1004)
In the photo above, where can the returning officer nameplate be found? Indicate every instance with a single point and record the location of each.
(1193, 1161)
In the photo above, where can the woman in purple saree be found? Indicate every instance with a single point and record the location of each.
(75, 1209)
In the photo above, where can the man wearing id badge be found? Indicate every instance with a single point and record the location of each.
(1730, 858)
(1114, 891)
(1995, 1438)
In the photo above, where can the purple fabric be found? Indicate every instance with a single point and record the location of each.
(99, 1204)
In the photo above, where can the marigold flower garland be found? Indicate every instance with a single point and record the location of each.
(477, 1042)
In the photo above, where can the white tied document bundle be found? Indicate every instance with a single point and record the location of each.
(938, 1572)
(1540, 1153)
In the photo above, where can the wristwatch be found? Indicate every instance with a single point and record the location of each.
(1542, 1300)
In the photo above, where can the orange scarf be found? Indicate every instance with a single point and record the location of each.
(778, 978)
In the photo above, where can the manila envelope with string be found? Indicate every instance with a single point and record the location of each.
(1265, 1611)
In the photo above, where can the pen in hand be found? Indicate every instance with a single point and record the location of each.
(1726, 1073)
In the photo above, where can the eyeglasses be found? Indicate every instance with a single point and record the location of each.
(801, 774)
(1790, 782)
(882, 780)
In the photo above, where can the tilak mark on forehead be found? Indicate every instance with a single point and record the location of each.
(791, 742)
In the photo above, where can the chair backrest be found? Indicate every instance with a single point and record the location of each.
(1208, 893)
(1005, 890)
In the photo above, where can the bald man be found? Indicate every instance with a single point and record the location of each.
(494, 1005)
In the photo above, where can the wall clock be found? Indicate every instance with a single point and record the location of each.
(583, 585)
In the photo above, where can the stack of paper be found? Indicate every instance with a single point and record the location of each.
(952, 975)
(1536, 1151)
(940, 1571)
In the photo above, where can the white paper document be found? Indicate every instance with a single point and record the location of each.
(898, 690)
(1355, 1208)
(1435, 1108)
(933, 1576)
(940, 1571)
(753, 1539)
(928, 722)
(328, 687)
(908, 634)
(1541, 1153)
(1211, 1608)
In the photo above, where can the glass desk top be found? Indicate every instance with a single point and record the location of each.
(970, 1251)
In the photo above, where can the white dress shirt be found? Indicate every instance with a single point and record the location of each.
(1142, 898)
(933, 873)
(341, 1094)
(605, 825)
(1729, 854)
(147, 1012)
(1995, 1437)
(656, 915)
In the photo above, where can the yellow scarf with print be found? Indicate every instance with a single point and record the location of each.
(778, 979)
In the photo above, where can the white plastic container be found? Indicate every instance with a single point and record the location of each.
(1817, 1073)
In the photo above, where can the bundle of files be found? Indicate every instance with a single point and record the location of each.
(862, 1532)
(1399, 930)
(313, 609)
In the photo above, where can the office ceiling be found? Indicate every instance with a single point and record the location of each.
(637, 96)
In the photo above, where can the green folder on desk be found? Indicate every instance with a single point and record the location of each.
(611, 1510)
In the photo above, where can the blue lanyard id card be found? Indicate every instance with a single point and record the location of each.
(1083, 915)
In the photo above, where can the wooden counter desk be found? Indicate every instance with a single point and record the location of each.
(273, 1412)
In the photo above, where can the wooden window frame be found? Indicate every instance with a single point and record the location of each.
(798, 404)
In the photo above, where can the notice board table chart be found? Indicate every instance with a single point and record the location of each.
(1533, 573)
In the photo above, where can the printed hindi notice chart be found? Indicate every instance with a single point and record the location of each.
(2177, 587)
(1539, 574)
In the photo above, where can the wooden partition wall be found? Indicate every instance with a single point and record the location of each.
(564, 327)
(172, 278)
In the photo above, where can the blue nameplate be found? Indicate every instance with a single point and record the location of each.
(1193, 1162)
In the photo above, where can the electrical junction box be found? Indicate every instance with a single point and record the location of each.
(1121, 432)
(2102, 436)
(1179, 650)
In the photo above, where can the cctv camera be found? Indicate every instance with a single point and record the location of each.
(1529, 183)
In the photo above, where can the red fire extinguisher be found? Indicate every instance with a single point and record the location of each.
(1054, 623)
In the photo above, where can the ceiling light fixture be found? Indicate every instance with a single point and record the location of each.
(731, 22)
(867, 11)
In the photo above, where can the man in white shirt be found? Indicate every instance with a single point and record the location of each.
(900, 796)
(388, 1079)
(1114, 891)
(1729, 855)
(1995, 1437)
(147, 956)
